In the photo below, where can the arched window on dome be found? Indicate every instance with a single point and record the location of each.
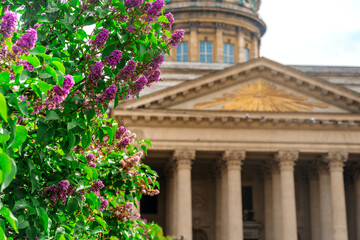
(246, 54)
(182, 52)
(206, 52)
(228, 53)
(241, 2)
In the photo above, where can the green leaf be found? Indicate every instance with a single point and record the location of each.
(44, 133)
(4, 138)
(23, 108)
(52, 115)
(120, 5)
(52, 72)
(163, 19)
(71, 124)
(59, 66)
(89, 21)
(81, 33)
(101, 221)
(11, 219)
(148, 142)
(8, 168)
(25, 74)
(37, 50)
(20, 136)
(72, 206)
(2, 234)
(44, 87)
(5, 77)
(33, 60)
(122, 37)
(3, 108)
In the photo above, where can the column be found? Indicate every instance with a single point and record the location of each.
(336, 162)
(218, 200)
(224, 199)
(286, 163)
(219, 42)
(241, 46)
(183, 159)
(256, 47)
(169, 199)
(194, 51)
(325, 201)
(357, 192)
(276, 200)
(314, 205)
(268, 203)
(233, 160)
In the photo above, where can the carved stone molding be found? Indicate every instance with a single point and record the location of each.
(322, 166)
(287, 159)
(194, 25)
(234, 159)
(336, 160)
(183, 158)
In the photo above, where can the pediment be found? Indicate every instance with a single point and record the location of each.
(259, 85)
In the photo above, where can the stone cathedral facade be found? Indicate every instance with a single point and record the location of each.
(247, 148)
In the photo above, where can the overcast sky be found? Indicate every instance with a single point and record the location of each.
(312, 32)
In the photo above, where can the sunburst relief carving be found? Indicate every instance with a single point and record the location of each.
(262, 96)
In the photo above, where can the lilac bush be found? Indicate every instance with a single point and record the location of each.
(68, 170)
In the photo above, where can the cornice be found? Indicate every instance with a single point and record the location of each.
(229, 119)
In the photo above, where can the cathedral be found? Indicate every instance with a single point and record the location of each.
(247, 148)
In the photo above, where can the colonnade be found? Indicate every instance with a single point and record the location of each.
(326, 188)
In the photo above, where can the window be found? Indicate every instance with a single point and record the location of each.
(228, 53)
(206, 52)
(246, 54)
(241, 2)
(182, 52)
(149, 204)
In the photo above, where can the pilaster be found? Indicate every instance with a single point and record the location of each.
(193, 43)
(219, 42)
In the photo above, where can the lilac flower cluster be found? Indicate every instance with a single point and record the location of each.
(109, 93)
(101, 38)
(152, 76)
(119, 133)
(56, 96)
(131, 29)
(104, 203)
(96, 187)
(127, 71)
(26, 42)
(133, 3)
(155, 9)
(95, 74)
(128, 164)
(124, 137)
(170, 18)
(176, 38)
(139, 85)
(60, 192)
(26, 65)
(114, 58)
(91, 160)
(8, 24)
(156, 62)
(124, 212)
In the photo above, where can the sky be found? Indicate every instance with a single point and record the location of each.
(312, 32)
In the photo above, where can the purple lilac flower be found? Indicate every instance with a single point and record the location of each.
(68, 83)
(121, 130)
(97, 186)
(26, 65)
(156, 62)
(37, 26)
(60, 192)
(131, 29)
(109, 93)
(176, 38)
(90, 160)
(114, 58)
(133, 3)
(155, 8)
(95, 74)
(125, 142)
(140, 84)
(26, 42)
(153, 77)
(101, 38)
(128, 70)
(104, 203)
(8, 24)
(169, 17)
(22, 98)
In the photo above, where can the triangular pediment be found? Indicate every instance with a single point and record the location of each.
(259, 85)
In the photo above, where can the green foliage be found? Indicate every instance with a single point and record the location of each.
(52, 134)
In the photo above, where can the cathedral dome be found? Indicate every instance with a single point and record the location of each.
(217, 31)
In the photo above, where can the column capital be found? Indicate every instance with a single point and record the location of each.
(193, 25)
(183, 157)
(234, 159)
(219, 25)
(336, 160)
(286, 159)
